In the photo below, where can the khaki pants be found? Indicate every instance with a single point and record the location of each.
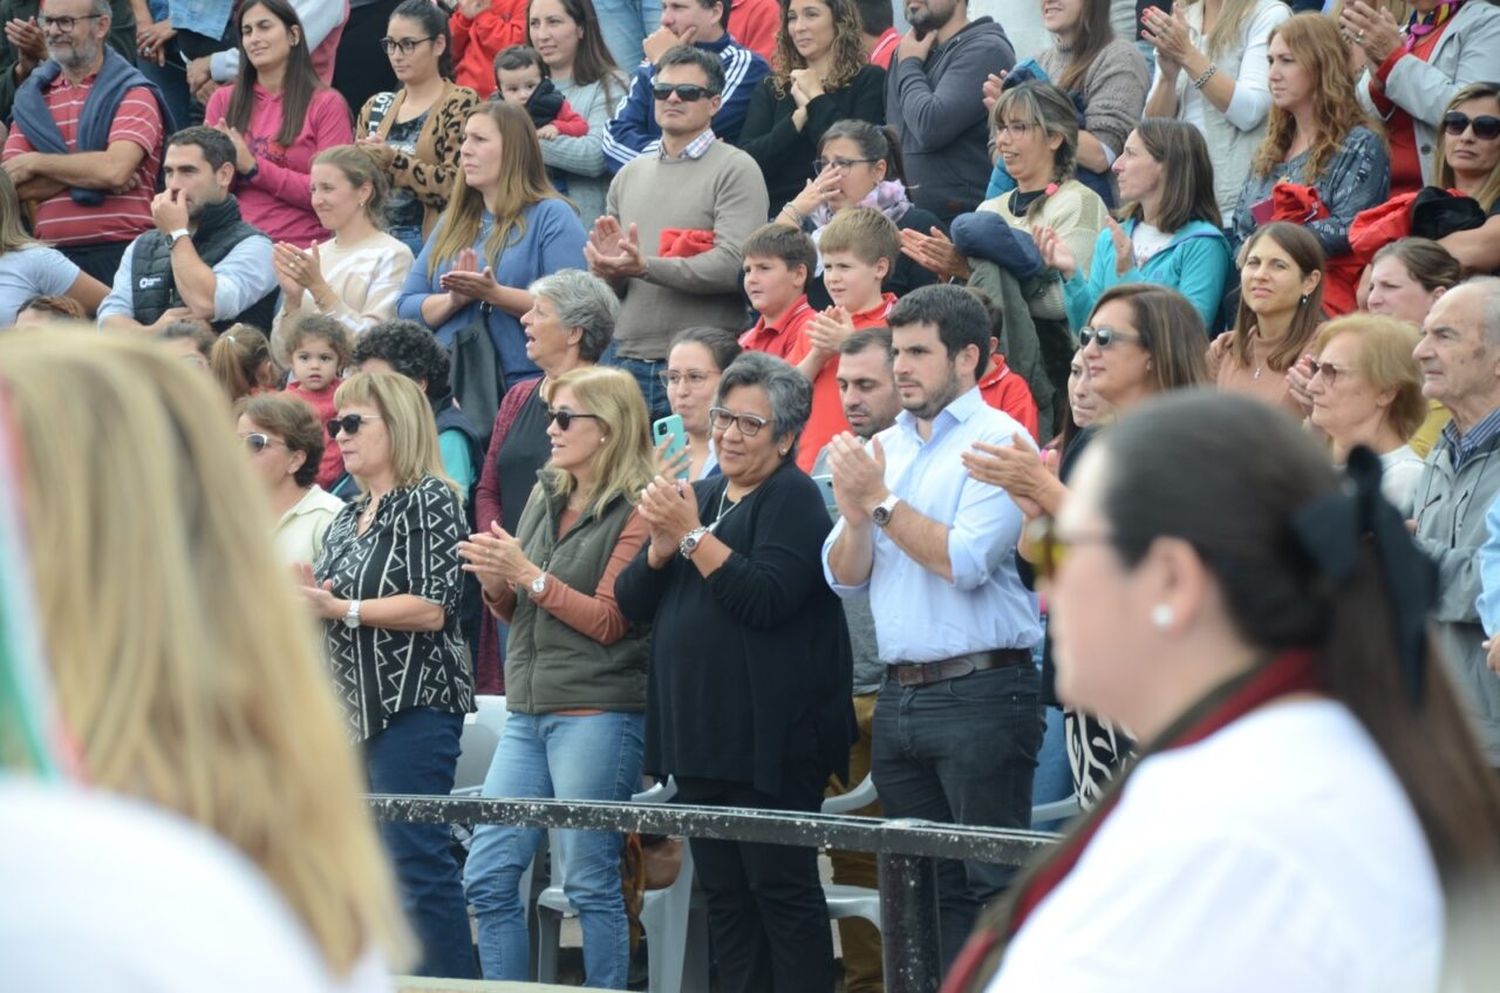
(859, 938)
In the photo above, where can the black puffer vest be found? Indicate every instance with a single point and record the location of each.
(219, 230)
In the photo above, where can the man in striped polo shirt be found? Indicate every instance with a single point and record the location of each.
(87, 172)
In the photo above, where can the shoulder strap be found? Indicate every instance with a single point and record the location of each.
(380, 105)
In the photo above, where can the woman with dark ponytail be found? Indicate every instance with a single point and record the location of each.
(1310, 811)
(414, 133)
(859, 165)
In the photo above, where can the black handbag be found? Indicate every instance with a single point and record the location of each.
(476, 377)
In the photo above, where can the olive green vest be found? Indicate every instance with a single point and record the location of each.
(548, 665)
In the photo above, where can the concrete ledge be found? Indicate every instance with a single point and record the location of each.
(424, 984)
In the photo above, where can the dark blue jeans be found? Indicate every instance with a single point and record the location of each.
(960, 751)
(647, 375)
(417, 753)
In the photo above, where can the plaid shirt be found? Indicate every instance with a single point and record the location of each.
(1463, 446)
(697, 148)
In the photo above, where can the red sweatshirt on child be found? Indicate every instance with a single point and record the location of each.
(332, 466)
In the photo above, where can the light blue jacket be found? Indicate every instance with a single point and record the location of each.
(1196, 263)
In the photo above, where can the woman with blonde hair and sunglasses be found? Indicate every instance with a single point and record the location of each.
(575, 668)
(285, 444)
(141, 689)
(387, 588)
(1366, 389)
(1467, 159)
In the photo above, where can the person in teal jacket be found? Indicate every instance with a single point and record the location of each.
(1170, 232)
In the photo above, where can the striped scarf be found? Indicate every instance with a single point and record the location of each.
(1421, 25)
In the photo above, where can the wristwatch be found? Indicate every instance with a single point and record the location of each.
(176, 233)
(881, 515)
(351, 616)
(539, 584)
(691, 541)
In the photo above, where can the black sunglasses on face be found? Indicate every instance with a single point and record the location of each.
(686, 92)
(1105, 336)
(349, 424)
(1486, 127)
(405, 45)
(565, 418)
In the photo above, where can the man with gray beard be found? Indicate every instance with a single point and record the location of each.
(86, 146)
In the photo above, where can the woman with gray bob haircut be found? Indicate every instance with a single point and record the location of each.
(732, 583)
(581, 302)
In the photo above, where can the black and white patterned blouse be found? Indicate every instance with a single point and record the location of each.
(411, 547)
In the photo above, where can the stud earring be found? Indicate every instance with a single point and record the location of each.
(1162, 616)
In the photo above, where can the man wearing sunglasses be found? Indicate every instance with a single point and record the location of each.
(675, 223)
(636, 130)
(957, 724)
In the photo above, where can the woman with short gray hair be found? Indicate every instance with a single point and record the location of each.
(748, 684)
(570, 324)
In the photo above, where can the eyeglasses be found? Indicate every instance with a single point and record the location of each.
(686, 92)
(1329, 371)
(258, 443)
(842, 165)
(1016, 129)
(1104, 336)
(565, 418)
(1049, 549)
(695, 379)
(64, 24)
(749, 424)
(404, 45)
(1486, 127)
(349, 424)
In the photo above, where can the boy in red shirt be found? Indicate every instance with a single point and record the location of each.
(778, 261)
(1001, 386)
(859, 249)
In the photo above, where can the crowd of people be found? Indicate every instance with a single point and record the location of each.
(725, 383)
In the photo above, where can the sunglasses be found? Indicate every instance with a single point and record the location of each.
(749, 424)
(1328, 371)
(565, 418)
(686, 92)
(349, 424)
(1486, 127)
(1049, 549)
(1104, 336)
(258, 443)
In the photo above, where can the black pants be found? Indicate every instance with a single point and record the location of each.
(100, 261)
(360, 68)
(766, 913)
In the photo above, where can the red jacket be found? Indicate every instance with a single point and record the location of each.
(568, 122)
(477, 42)
(1007, 391)
(755, 24)
(332, 466)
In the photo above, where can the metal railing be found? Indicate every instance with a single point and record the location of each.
(904, 851)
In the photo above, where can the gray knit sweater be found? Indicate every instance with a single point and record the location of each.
(583, 158)
(1114, 90)
(722, 192)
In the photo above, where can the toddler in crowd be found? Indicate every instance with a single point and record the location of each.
(241, 361)
(320, 349)
(521, 79)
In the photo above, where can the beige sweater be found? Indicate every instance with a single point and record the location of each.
(366, 280)
(722, 192)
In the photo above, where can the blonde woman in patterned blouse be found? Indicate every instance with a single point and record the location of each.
(387, 588)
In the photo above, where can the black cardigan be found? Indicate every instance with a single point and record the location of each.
(744, 663)
(784, 154)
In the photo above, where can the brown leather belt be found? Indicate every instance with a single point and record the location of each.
(926, 673)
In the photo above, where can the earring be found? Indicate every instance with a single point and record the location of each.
(783, 451)
(1162, 616)
(1303, 302)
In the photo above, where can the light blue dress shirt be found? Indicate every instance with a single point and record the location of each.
(919, 616)
(241, 278)
(1489, 572)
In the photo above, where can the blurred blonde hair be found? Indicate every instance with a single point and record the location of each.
(195, 682)
(408, 420)
(1385, 359)
(625, 463)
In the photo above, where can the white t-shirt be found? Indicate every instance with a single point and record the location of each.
(33, 271)
(1280, 854)
(102, 893)
(1146, 240)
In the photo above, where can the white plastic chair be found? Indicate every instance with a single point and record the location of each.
(476, 747)
(845, 901)
(676, 930)
(1057, 810)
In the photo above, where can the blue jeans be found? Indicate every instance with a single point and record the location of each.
(647, 375)
(960, 751)
(594, 757)
(411, 237)
(417, 753)
(624, 24)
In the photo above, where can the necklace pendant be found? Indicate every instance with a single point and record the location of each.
(1256, 374)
